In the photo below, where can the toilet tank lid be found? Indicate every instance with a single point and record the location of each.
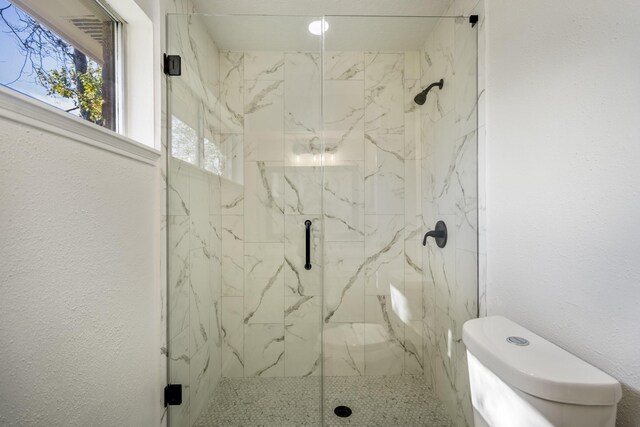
(541, 368)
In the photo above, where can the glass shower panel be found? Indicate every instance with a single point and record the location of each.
(302, 176)
(393, 309)
(244, 178)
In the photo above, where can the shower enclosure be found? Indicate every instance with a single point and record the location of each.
(302, 177)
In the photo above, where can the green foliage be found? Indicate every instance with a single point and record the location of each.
(84, 89)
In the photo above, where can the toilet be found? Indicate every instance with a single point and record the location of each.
(519, 379)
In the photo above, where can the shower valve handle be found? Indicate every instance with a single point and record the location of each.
(439, 234)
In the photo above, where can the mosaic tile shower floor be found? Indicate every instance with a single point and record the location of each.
(279, 402)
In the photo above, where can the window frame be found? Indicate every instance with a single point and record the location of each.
(142, 144)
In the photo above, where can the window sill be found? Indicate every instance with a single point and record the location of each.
(22, 109)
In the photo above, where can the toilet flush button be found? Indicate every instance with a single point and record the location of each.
(518, 341)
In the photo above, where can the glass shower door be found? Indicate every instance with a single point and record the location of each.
(304, 169)
(245, 267)
(397, 160)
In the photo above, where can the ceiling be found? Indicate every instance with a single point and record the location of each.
(289, 32)
(326, 7)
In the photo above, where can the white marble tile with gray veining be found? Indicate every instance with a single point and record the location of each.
(303, 357)
(412, 120)
(215, 260)
(179, 362)
(232, 91)
(263, 120)
(215, 349)
(199, 301)
(437, 63)
(344, 65)
(466, 303)
(231, 148)
(344, 271)
(231, 197)
(384, 174)
(384, 337)
(202, 199)
(233, 255)
(178, 188)
(302, 309)
(343, 349)
(384, 93)
(264, 283)
(263, 65)
(179, 274)
(442, 166)
(466, 88)
(264, 347)
(466, 181)
(413, 194)
(200, 381)
(344, 119)
(413, 273)
(303, 190)
(344, 201)
(232, 330)
(302, 92)
(413, 348)
(264, 202)
(384, 254)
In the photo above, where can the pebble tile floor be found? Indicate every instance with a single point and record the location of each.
(288, 402)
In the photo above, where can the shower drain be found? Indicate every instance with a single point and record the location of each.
(342, 411)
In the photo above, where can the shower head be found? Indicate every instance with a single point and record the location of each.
(422, 96)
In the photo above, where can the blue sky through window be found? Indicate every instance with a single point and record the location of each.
(12, 60)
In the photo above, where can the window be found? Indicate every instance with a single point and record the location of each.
(62, 52)
(193, 135)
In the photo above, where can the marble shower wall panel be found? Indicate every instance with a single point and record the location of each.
(263, 120)
(232, 92)
(372, 225)
(384, 93)
(232, 337)
(344, 201)
(264, 201)
(373, 215)
(195, 285)
(344, 119)
(449, 173)
(271, 116)
(194, 219)
(303, 92)
(264, 283)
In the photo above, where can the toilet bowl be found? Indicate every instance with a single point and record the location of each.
(519, 379)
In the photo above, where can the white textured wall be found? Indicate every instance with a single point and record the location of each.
(563, 201)
(79, 300)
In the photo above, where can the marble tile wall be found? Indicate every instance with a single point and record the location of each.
(271, 108)
(373, 289)
(449, 177)
(392, 169)
(193, 218)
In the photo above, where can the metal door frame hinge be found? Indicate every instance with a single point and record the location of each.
(473, 20)
(172, 65)
(172, 394)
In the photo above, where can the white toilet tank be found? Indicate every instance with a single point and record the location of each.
(519, 379)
